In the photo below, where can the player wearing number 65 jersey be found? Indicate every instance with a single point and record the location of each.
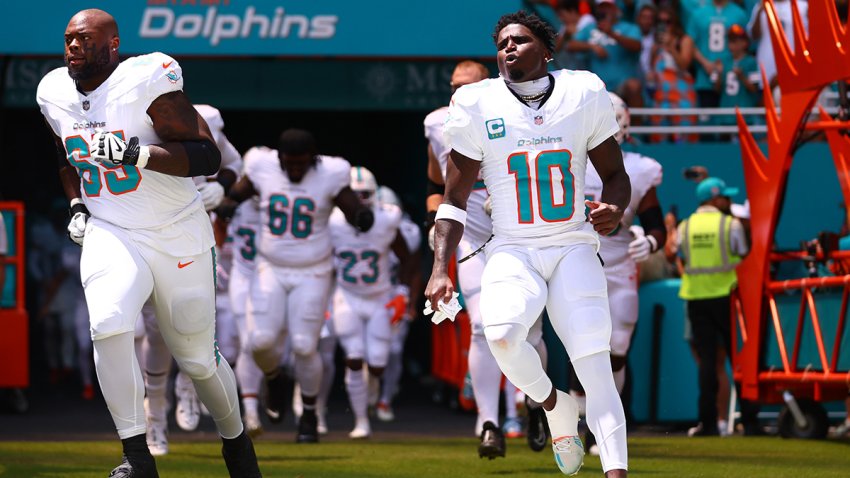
(298, 189)
(129, 141)
(531, 133)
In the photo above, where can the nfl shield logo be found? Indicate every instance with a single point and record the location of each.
(538, 120)
(86, 105)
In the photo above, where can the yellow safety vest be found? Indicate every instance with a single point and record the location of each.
(709, 262)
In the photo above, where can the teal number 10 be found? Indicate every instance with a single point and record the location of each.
(548, 208)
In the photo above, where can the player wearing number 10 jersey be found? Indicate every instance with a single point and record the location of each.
(129, 141)
(289, 291)
(531, 133)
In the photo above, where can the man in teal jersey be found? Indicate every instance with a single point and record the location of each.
(708, 27)
(738, 81)
(614, 47)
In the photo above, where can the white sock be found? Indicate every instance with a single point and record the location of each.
(355, 385)
(374, 388)
(510, 400)
(620, 379)
(251, 403)
(392, 377)
(486, 379)
(605, 415)
(308, 372)
(121, 382)
(563, 419)
(327, 350)
(248, 374)
(218, 393)
(581, 400)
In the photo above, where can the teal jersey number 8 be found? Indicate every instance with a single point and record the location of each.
(302, 217)
(127, 181)
(548, 208)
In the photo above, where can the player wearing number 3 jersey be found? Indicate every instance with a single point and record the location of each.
(129, 141)
(289, 291)
(531, 133)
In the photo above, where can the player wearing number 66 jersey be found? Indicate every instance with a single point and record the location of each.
(129, 141)
(298, 189)
(531, 134)
(362, 301)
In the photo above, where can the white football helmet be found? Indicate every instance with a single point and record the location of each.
(621, 112)
(385, 195)
(363, 183)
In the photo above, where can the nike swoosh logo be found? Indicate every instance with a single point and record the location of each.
(181, 265)
(166, 65)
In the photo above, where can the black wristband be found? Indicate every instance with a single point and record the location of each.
(79, 207)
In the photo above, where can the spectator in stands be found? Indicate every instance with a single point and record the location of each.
(572, 22)
(711, 243)
(614, 47)
(739, 80)
(760, 33)
(646, 24)
(708, 27)
(4, 249)
(672, 56)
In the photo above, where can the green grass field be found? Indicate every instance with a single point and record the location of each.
(448, 458)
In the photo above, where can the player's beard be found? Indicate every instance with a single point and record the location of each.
(516, 74)
(91, 68)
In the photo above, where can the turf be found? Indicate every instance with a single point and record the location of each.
(447, 458)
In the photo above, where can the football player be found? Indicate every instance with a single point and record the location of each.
(129, 143)
(530, 133)
(298, 189)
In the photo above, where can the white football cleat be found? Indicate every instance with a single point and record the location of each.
(253, 425)
(156, 433)
(569, 454)
(361, 430)
(384, 412)
(188, 410)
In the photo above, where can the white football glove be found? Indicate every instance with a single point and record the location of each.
(642, 246)
(444, 311)
(110, 150)
(77, 226)
(212, 193)
(488, 206)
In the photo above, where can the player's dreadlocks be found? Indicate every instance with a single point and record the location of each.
(538, 27)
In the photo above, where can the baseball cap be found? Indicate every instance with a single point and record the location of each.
(710, 188)
(737, 31)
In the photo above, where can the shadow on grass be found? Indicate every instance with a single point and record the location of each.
(275, 458)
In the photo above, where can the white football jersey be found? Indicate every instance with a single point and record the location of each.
(123, 195)
(534, 161)
(243, 234)
(230, 157)
(644, 174)
(362, 259)
(478, 224)
(294, 216)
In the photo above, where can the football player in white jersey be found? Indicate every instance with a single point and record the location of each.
(363, 290)
(298, 189)
(401, 319)
(629, 245)
(129, 142)
(483, 369)
(531, 133)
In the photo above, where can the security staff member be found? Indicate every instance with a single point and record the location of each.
(711, 244)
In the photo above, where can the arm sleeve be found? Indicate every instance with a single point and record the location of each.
(602, 121)
(459, 129)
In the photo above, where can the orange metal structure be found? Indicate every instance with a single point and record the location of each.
(818, 59)
(14, 321)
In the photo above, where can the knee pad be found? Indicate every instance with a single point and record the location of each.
(197, 368)
(192, 313)
(587, 329)
(504, 339)
(303, 344)
(262, 341)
